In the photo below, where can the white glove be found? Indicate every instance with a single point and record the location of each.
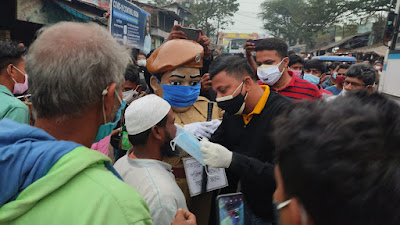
(203, 129)
(215, 155)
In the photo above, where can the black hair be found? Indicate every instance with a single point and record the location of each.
(343, 66)
(362, 71)
(334, 65)
(233, 65)
(132, 74)
(277, 44)
(341, 158)
(10, 53)
(316, 64)
(141, 138)
(293, 59)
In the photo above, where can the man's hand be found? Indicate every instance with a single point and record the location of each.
(205, 42)
(250, 48)
(215, 155)
(116, 131)
(205, 82)
(176, 34)
(184, 217)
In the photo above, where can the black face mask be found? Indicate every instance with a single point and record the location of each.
(233, 105)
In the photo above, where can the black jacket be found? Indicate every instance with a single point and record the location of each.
(253, 154)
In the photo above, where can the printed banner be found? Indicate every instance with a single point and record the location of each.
(130, 25)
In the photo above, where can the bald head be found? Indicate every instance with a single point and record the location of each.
(70, 64)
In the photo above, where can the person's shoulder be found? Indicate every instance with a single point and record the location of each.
(11, 102)
(201, 100)
(118, 194)
(331, 88)
(279, 99)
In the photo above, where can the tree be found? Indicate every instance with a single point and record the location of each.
(304, 20)
(160, 2)
(213, 15)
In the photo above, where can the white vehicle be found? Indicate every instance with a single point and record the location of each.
(389, 83)
(237, 46)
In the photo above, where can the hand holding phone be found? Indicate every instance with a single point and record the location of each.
(191, 34)
(230, 209)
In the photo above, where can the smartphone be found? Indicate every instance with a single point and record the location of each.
(191, 34)
(255, 42)
(230, 209)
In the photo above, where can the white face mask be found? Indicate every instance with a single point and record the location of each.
(378, 67)
(142, 63)
(270, 74)
(129, 96)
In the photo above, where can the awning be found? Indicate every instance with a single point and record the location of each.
(337, 44)
(378, 49)
(80, 13)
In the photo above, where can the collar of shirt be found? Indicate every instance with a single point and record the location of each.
(5, 90)
(290, 84)
(149, 163)
(260, 105)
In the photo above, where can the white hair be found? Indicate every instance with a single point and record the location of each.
(69, 65)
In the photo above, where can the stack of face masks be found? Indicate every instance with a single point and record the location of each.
(189, 143)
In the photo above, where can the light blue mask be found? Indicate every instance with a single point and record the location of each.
(106, 129)
(189, 143)
(180, 95)
(311, 78)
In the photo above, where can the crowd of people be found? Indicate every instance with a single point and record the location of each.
(101, 136)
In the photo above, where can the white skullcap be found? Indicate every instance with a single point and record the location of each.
(144, 113)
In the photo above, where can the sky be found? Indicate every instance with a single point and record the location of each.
(247, 19)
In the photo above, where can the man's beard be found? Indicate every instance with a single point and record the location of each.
(166, 149)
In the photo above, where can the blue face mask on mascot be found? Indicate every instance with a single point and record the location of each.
(180, 95)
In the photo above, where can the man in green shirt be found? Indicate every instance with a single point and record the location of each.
(13, 80)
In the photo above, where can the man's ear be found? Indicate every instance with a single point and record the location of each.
(370, 89)
(139, 88)
(109, 94)
(298, 213)
(285, 62)
(158, 132)
(156, 86)
(248, 82)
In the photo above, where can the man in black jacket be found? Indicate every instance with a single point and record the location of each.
(242, 143)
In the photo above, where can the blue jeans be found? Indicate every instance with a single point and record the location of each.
(251, 219)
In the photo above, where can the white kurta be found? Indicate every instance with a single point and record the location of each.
(153, 179)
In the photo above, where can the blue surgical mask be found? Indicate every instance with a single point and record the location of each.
(181, 96)
(106, 129)
(311, 78)
(189, 143)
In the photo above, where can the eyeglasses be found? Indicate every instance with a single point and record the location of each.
(279, 206)
(354, 84)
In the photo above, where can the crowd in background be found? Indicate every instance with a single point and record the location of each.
(102, 133)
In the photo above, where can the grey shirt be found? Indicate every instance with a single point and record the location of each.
(153, 179)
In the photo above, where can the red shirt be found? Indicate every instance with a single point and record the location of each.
(298, 89)
(323, 91)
